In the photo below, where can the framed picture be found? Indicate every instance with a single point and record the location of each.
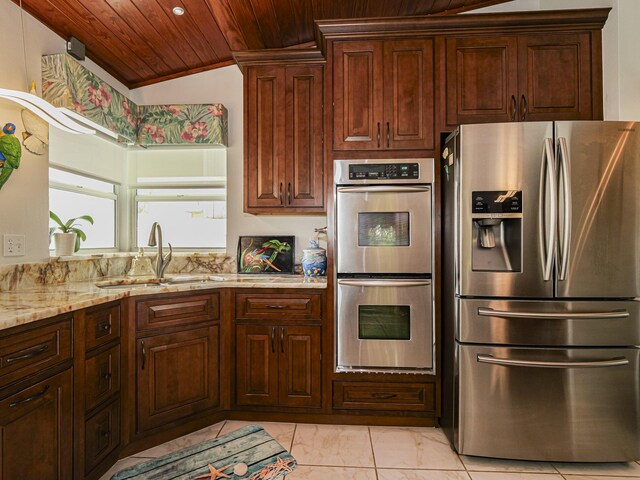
(266, 254)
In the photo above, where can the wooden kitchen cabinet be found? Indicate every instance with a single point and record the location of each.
(383, 94)
(278, 356)
(97, 386)
(284, 171)
(36, 430)
(177, 376)
(523, 77)
(278, 365)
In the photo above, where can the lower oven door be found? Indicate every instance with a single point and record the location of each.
(384, 325)
(551, 404)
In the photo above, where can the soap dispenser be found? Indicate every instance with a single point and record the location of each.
(140, 265)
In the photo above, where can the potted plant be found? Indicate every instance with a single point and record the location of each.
(67, 241)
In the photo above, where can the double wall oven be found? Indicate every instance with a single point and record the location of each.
(384, 256)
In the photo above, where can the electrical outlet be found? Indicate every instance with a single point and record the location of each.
(13, 245)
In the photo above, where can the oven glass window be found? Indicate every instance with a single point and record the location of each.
(384, 322)
(383, 229)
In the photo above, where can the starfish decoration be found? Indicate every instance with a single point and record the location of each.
(282, 466)
(214, 473)
(273, 470)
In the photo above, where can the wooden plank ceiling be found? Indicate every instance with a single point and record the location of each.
(142, 42)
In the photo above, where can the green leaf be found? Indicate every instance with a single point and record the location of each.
(56, 219)
(80, 234)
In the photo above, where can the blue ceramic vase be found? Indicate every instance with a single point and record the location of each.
(314, 260)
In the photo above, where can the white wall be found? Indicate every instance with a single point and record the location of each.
(24, 198)
(224, 85)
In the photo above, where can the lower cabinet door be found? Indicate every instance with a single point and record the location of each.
(36, 428)
(299, 366)
(257, 364)
(102, 435)
(178, 376)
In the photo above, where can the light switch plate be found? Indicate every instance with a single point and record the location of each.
(13, 245)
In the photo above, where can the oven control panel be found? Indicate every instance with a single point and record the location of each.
(384, 171)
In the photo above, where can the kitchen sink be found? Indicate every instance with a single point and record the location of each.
(152, 282)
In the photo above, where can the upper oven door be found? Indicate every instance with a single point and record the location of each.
(383, 229)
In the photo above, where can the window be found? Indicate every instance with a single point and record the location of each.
(72, 194)
(185, 192)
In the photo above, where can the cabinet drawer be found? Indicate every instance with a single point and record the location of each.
(302, 306)
(101, 377)
(34, 350)
(102, 435)
(177, 311)
(417, 397)
(101, 325)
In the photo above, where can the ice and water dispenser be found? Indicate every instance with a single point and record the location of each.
(497, 231)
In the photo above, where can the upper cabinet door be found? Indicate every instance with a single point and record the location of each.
(408, 94)
(264, 137)
(482, 79)
(304, 178)
(554, 77)
(357, 95)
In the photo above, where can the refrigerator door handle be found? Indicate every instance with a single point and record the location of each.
(490, 312)
(613, 362)
(547, 181)
(563, 254)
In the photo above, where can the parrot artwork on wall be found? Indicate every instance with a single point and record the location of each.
(10, 152)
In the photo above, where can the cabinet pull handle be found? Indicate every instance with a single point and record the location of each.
(378, 134)
(289, 192)
(106, 376)
(32, 352)
(29, 399)
(524, 108)
(514, 109)
(104, 326)
(105, 433)
(273, 337)
(282, 339)
(144, 355)
(276, 306)
(388, 134)
(384, 396)
(280, 193)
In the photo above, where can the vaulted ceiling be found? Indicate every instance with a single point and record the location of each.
(142, 42)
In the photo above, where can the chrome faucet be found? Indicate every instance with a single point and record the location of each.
(161, 261)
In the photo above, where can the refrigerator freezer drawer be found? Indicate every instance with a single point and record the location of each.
(549, 322)
(573, 405)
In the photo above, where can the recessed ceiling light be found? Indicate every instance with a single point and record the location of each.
(178, 11)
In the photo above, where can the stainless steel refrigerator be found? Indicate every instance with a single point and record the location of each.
(541, 289)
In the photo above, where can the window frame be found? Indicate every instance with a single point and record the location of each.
(214, 182)
(115, 196)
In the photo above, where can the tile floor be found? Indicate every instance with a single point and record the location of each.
(341, 452)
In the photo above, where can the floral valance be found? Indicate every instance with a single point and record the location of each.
(66, 83)
(183, 124)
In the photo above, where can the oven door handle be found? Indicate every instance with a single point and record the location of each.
(382, 283)
(385, 189)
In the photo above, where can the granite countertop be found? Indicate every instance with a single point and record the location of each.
(19, 307)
